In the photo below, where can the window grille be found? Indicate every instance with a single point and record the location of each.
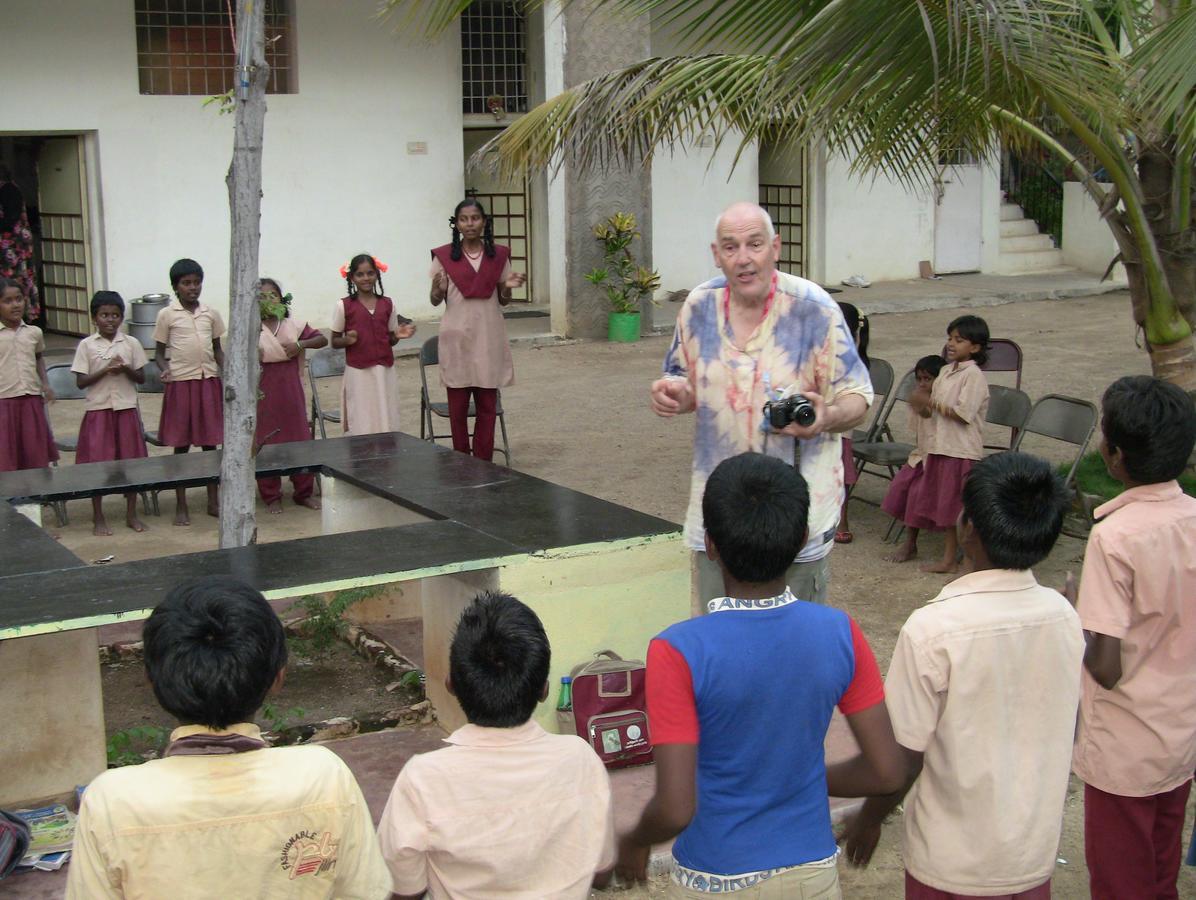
(494, 58)
(186, 46)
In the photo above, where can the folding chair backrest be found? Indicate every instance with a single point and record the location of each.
(1004, 355)
(880, 428)
(881, 375)
(326, 362)
(1065, 419)
(62, 382)
(429, 352)
(1007, 406)
(153, 379)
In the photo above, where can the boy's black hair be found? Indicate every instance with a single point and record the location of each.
(213, 649)
(107, 298)
(6, 283)
(182, 268)
(931, 365)
(357, 261)
(498, 661)
(859, 327)
(487, 231)
(1152, 423)
(755, 510)
(974, 329)
(1015, 502)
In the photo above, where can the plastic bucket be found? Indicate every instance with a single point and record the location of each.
(623, 327)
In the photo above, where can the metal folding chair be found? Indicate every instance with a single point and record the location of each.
(881, 374)
(429, 356)
(882, 451)
(323, 363)
(1004, 355)
(1007, 407)
(1066, 419)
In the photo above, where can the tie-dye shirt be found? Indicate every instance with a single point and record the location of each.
(802, 339)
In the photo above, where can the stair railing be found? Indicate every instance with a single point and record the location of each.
(1039, 193)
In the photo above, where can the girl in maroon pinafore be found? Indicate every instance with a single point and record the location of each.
(281, 405)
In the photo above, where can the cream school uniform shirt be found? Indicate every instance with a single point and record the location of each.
(984, 681)
(1139, 585)
(285, 822)
(94, 354)
(500, 813)
(18, 360)
(188, 338)
(963, 389)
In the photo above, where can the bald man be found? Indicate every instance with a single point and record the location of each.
(751, 335)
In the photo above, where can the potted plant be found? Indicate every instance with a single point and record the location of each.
(626, 283)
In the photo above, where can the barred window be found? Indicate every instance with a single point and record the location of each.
(186, 46)
(493, 57)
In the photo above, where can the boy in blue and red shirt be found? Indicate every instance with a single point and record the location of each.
(754, 685)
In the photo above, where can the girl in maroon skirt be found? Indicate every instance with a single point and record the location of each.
(281, 405)
(25, 438)
(193, 403)
(108, 366)
(929, 495)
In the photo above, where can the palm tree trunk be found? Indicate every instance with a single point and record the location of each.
(1167, 322)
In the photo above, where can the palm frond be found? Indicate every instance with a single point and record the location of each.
(1164, 69)
(892, 97)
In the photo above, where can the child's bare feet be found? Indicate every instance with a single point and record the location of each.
(309, 502)
(182, 516)
(213, 501)
(135, 523)
(101, 529)
(214, 510)
(904, 553)
(275, 508)
(941, 567)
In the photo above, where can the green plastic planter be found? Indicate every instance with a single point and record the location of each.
(623, 327)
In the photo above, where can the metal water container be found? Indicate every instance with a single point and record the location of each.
(143, 314)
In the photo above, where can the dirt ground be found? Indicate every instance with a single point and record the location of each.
(318, 687)
(578, 415)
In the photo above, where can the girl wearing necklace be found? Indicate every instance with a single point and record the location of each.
(281, 405)
(472, 276)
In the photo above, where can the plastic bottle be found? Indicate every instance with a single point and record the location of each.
(564, 701)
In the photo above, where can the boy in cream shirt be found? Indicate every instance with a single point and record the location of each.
(982, 691)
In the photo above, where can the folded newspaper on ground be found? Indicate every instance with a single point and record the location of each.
(52, 830)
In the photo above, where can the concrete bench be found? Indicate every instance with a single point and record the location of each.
(399, 511)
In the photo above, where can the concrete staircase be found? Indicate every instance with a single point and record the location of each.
(1022, 248)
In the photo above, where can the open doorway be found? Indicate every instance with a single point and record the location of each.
(51, 174)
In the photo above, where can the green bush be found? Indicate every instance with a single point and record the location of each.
(1093, 478)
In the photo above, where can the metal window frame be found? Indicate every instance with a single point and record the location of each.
(184, 47)
(494, 57)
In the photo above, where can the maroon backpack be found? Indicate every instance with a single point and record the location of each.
(610, 710)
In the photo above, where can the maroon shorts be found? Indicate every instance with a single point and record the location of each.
(26, 441)
(108, 434)
(192, 413)
(916, 890)
(930, 494)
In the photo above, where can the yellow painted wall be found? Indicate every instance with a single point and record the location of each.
(602, 598)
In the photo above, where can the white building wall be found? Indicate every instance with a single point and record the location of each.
(864, 226)
(1087, 241)
(338, 177)
(690, 187)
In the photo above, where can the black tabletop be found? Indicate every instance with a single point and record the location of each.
(480, 511)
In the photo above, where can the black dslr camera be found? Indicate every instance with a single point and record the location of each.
(795, 408)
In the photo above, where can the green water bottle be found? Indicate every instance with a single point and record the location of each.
(564, 700)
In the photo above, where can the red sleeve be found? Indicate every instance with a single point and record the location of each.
(672, 711)
(308, 333)
(867, 688)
